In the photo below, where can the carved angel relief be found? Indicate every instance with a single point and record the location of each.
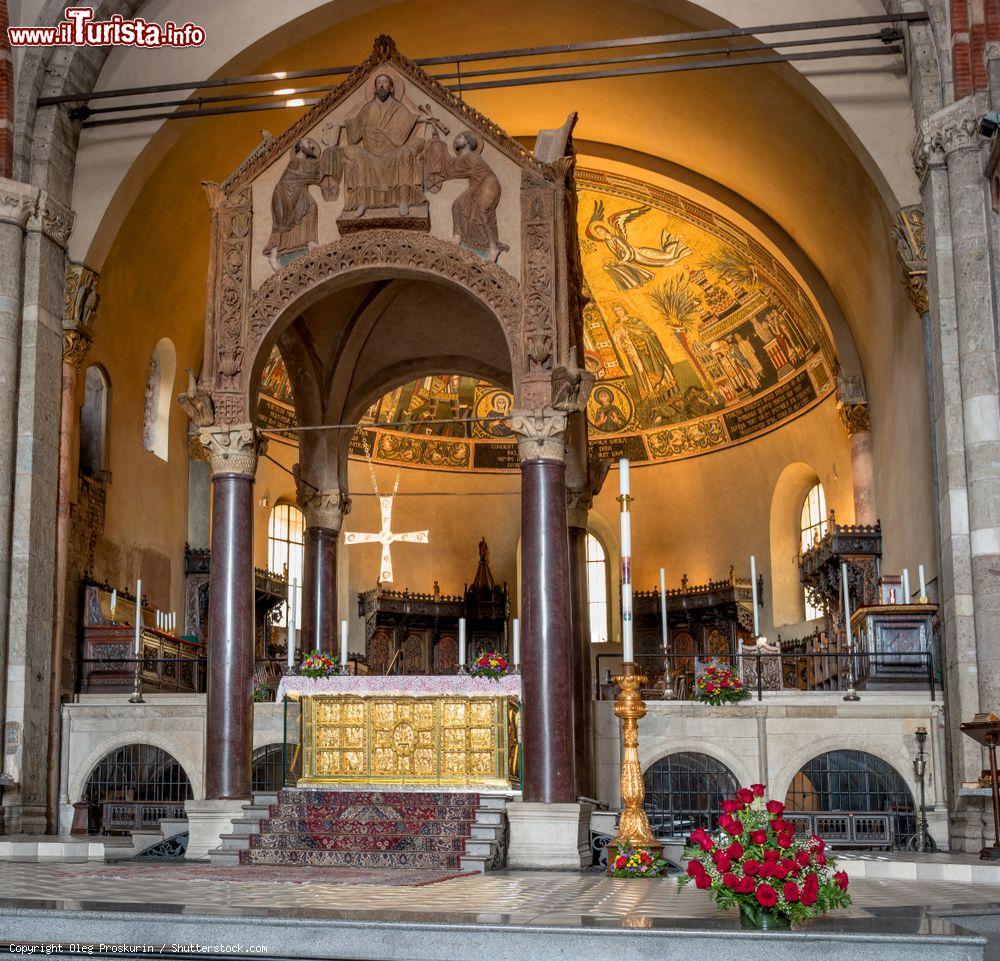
(386, 155)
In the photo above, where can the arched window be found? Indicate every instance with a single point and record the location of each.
(685, 791)
(159, 391)
(812, 527)
(597, 590)
(94, 422)
(133, 787)
(285, 537)
(853, 781)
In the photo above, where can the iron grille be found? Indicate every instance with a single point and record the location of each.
(141, 774)
(854, 782)
(265, 775)
(685, 791)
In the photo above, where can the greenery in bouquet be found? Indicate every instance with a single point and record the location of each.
(636, 863)
(719, 685)
(319, 664)
(261, 693)
(755, 864)
(492, 665)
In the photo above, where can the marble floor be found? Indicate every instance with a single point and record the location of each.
(514, 897)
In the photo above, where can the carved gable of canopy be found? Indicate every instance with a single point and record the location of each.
(392, 150)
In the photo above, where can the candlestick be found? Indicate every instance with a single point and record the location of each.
(923, 584)
(668, 690)
(461, 644)
(851, 694)
(906, 585)
(626, 546)
(290, 641)
(516, 658)
(753, 595)
(136, 697)
(343, 646)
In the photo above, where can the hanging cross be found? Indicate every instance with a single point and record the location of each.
(386, 538)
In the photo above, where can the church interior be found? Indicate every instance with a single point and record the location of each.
(397, 453)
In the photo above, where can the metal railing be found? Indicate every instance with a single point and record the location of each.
(845, 828)
(125, 816)
(839, 669)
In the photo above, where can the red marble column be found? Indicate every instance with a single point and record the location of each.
(319, 590)
(547, 639)
(230, 614)
(582, 682)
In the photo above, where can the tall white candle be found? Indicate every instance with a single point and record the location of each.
(138, 615)
(906, 585)
(663, 606)
(624, 488)
(923, 583)
(517, 643)
(290, 642)
(753, 596)
(847, 605)
(461, 643)
(114, 601)
(343, 645)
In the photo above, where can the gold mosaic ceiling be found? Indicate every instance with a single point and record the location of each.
(699, 336)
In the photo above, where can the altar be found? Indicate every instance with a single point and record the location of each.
(450, 731)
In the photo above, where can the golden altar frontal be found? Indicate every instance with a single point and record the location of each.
(449, 739)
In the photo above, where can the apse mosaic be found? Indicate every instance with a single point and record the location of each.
(699, 336)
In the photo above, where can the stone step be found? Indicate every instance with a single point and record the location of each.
(486, 832)
(316, 826)
(232, 842)
(352, 859)
(348, 842)
(244, 827)
(476, 847)
(265, 798)
(493, 802)
(258, 811)
(221, 858)
(316, 796)
(474, 863)
(489, 817)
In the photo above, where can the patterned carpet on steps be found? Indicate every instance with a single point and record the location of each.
(416, 831)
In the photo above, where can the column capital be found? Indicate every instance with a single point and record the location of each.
(18, 201)
(233, 448)
(856, 418)
(541, 434)
(76, 343)
(80, 297)
(53, 219)
(321, 508)
(578, 504)
(910, 237)
(953, 129)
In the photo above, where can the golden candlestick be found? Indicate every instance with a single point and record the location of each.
(633, 826)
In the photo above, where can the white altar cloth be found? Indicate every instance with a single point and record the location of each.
(401, 686)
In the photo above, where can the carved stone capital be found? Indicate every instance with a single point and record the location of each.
(948, 131)
(321, 508)
(18, 201)
(76, 343)
(541, 434)
(910, 237)
(80, 297)
(52, 219)
(855, 417)
(233, 449)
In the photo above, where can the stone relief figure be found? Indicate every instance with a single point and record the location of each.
(382, 158)
(294, 224)
(474, 212)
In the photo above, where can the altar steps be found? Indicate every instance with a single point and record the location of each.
(369, 829)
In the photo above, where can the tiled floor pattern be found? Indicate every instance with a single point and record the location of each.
(513, 896)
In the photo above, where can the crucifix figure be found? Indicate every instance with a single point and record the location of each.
(386, 538)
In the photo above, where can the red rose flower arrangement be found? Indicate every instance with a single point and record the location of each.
(636, 863)
(719, 685)
(491, 665)
(755, 863)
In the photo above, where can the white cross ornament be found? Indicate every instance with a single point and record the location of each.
(386, 538)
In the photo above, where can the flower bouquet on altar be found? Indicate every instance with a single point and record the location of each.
(719, 685)
(637, 863)
(755, 864)
(319, 664)
(492, 665)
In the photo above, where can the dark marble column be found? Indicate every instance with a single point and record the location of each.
(233, 454)
(324, 513)
(582, 684)
(547, 639)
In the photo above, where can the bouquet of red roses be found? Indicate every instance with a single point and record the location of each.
(637, 863)
(755, 863)
(719, 686)
(492, 665)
